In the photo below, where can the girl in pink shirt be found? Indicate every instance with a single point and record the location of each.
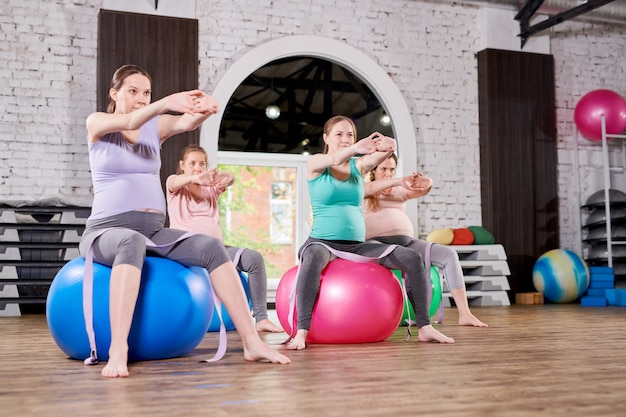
(192, 195)
(386, 221)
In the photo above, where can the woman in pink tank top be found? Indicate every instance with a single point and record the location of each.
(386, 221)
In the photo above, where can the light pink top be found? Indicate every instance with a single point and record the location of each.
(390, 219)
(201, 216)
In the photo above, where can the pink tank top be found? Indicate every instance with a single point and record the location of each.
(390, 219)
(187, 213)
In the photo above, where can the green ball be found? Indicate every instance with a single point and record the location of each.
(408, 313)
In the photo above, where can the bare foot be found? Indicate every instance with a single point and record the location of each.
(259, 351)
(299, 340)
(117, 365)
(267, 326)
(471, 320)
(429, 334)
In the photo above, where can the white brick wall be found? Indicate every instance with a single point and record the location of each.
(427, 49)
(48, 84)
(587, 57)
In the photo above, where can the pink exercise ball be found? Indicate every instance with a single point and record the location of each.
(590, 109)
(357, 303)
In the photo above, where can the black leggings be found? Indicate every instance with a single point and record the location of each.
(314, 258)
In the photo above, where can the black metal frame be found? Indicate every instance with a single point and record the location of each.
(528, 10)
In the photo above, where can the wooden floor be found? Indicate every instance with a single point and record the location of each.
(550, 360)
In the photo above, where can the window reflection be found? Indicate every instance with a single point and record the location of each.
(281, 211)
(258, 212)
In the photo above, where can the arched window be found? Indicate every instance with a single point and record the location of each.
(270, 154)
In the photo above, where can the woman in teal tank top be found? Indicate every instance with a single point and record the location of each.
(336, 192)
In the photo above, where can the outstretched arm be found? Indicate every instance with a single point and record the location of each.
(375, 145)
(176, 182)
(204, 106)
(188, 102)
(209, 178)
(374, 187)
(416, 184)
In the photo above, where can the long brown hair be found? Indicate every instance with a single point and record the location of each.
(330, 123)
(189, 149)
(371, 201)
(118, 79)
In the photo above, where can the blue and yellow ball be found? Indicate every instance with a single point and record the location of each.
(561, 275)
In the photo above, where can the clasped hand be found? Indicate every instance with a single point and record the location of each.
(209, 178)
(193, 102)
(376, 142)
(417, 182)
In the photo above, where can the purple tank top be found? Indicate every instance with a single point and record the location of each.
(126, 176)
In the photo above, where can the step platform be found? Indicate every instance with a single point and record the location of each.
(480, 252)
(36, 240)
(485, 272)
(481, 299)
(484, 283)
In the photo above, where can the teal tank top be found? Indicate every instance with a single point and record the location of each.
(337, 206)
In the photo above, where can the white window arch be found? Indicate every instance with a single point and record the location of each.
(331, 50)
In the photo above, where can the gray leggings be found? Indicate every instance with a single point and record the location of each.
(314, 259)
(443, 257)
(252, 263)
(125, 242)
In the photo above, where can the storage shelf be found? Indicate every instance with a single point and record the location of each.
(35, 243)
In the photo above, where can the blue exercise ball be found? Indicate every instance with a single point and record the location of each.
(561, 275)
(171, 316)
(214, 325)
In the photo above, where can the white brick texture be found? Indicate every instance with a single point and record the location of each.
(48, 61)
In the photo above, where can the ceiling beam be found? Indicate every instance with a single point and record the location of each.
(531, 6)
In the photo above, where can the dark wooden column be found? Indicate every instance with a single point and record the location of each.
(518, 157)
(166, 47)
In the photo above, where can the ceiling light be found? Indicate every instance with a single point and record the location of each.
(385, 120)
(272, 112)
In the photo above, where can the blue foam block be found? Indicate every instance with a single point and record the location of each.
(597, 292)
(612, 296)
(600, 270)
(602, 277)
(601, 284)
(593, 301)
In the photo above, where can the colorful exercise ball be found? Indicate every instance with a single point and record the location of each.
(595, 104)
(171, 315)
(561, 275)
(214, 325)
(436, 296)
(357, 303)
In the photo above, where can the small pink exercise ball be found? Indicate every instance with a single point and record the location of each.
(357, 303)
(590, 109)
